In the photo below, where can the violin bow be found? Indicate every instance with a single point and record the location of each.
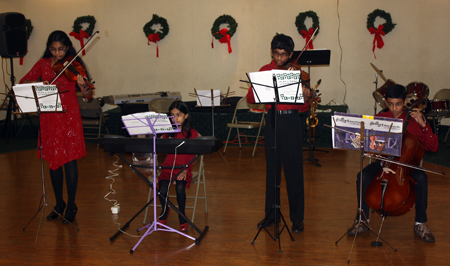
(306, 45)
(73, 59)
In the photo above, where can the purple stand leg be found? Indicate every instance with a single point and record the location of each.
(153, 226)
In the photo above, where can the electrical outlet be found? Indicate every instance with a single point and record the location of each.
(106, 33)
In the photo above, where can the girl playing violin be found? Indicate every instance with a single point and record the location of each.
(180, 111)
(61, 133)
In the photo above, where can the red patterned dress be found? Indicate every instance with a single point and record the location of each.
(62, 133)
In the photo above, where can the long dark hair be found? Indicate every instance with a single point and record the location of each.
(61, 36)
(187, 125)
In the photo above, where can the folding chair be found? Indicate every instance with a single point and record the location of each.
(92, 117)
(199, 179)
(237, 124)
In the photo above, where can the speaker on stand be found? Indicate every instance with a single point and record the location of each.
(13, 43)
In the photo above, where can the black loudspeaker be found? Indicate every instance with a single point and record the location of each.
(13, 35)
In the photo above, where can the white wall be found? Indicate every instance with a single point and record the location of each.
(416, 50)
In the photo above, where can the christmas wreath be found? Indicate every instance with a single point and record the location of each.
(154, 36)
(77, 24)
(224, 35)
(301, 27)
(78, 32)
(382, 29)
(300, 21)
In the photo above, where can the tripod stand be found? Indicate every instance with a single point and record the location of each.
(43, 202)
(272, 132)
(12, 124)
(360, 221)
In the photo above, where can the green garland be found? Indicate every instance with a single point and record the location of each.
(29, 28)
(86, 19)
(388, 26)
(224, 19)
(157, 20)
(300, 21)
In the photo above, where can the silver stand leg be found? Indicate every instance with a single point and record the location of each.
(360, 222)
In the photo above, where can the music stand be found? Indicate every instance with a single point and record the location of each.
(151, 123)
(275, 207)
(29, 109)
(210, 103)
(11, 109)
(309, 58)
(313, 58)
(359, 142)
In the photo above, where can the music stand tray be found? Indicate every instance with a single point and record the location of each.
(313, 57)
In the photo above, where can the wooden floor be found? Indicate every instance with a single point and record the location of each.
(235, 186)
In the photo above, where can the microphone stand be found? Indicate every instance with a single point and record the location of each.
(376, 88)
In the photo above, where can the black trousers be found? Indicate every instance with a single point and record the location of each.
(421, 189)
(289, 154)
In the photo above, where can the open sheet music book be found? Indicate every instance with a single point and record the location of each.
(264, 92)
(349, 126)
(148, 123)
(25, 97)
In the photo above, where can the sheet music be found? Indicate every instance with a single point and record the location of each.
(25, 97)
(288, 94)
(351, 123)
(262, 82)
(204, 98)
(142, 123)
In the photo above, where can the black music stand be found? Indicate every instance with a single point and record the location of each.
(275, 207)
(11, 109)
(43, 202)
(361, 219)
(312, 57)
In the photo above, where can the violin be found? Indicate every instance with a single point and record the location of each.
(72, 71)
(294, 65)
(393, 192)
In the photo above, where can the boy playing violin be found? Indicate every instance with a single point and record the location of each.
(289, 152)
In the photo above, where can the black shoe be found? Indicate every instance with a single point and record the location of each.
(298, 227)
(70, 215)
(56, 210)
(268, 223)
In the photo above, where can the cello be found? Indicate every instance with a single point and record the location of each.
(392, 192)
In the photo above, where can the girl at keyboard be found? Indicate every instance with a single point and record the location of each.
(180, 112)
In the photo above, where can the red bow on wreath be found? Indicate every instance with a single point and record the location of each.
(80, 36)
(225, 39)
(307, 35)
(154, 37)
(377, 38)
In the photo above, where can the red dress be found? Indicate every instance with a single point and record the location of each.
(62, 133)
(181, 160)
